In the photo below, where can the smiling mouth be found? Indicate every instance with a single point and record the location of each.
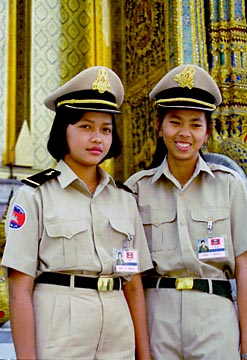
(182, 146)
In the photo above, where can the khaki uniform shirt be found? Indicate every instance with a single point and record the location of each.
(176, 218)
(60, 226)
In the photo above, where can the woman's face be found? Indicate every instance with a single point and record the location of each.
(184, 131)
(89, 140)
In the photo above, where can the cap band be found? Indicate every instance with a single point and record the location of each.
(185, 95)
(85, 98)
(187, 100)
(88, 101)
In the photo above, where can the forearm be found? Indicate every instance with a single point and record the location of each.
(241, 279)
(22, 321)
(135, 297)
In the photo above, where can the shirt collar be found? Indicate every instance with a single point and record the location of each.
(163, 169)
(67, 176)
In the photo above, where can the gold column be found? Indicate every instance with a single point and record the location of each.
(103, 49)
(9, 155)
(103, 33)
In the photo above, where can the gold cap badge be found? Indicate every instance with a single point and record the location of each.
(101, 83)
(186, 77)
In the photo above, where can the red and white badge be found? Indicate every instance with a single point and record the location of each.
(126, 261)
(18, 217)
(211, 247)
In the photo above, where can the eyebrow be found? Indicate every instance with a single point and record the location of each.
(93, 121)
(181, 118)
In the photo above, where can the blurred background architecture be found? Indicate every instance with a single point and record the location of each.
(45, 42)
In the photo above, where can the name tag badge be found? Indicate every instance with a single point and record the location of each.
(126, 261)
(211, 247)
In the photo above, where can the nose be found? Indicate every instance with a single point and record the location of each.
(96, 138)
(184, 131)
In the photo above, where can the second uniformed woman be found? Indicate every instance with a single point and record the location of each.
(183, 202)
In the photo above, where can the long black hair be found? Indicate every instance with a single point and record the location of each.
(57, 143)
(161, 149)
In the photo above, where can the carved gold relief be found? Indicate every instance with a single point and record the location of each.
(142, 41)
(9, 155)
(228, 66)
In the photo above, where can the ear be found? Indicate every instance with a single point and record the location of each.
(206, 137)
(158, 128)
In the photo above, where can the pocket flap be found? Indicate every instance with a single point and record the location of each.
(213, 213)
(157, 217)
(123, 226)
(65, 228)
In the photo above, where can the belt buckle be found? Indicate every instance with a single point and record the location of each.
(105, 283)
(185, 283)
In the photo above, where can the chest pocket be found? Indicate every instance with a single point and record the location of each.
(218, 215)
(70, 243)
(120, 231)
(159, 228)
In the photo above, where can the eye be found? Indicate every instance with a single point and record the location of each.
(174, 122)
(107, 130)
(84, 126)
(197, 125)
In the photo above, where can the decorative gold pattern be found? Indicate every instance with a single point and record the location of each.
(228, 49)
(101, 83)
(186, 77)
(9, 156)
(145, 62)
(141, 41)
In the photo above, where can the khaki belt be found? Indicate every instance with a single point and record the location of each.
(219, 287)
(101, 283)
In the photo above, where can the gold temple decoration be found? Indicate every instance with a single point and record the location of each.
(9, 155)
(186, 77)
(141, 41)
(228, 62)
(101, 83)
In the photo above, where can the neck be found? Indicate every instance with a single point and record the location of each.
(88, 174)
(182, 170)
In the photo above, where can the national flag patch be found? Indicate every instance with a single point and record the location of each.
(18, 217)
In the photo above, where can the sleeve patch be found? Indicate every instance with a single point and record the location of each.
(18, 217)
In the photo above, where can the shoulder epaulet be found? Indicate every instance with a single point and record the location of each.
(40, 178)
(124, 187)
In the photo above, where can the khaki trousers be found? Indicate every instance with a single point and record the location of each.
(84, 324)
(191, 325)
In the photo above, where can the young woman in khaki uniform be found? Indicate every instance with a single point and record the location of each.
(183, 201)
(68, 298)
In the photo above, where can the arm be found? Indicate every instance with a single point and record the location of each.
(21, 314)
(134, 294)
(241, 281)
